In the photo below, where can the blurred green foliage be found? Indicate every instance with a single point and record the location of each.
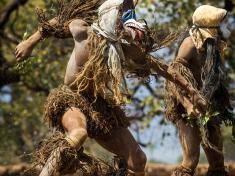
(21, 102)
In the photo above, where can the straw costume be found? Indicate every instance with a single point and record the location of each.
(67, 11)
(99, 86)
(209, 79)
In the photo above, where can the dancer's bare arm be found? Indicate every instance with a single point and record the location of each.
(175, 77)
(187, 52)
(187, 55)
(172, 75)
(25, 48)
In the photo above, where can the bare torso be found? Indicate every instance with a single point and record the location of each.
(80, 54)
(192, 58)
(190, 137)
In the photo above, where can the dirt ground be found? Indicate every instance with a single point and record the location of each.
(165, 170)
(153, 169)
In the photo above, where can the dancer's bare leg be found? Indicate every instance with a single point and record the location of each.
(190, 141)
(74, 123)
(122, 143)
(215, 159)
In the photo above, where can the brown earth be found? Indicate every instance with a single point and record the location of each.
(152, 169)
(165, 170)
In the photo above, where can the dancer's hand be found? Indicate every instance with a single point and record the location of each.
(23, 50)
(199, 102)
(192, 111)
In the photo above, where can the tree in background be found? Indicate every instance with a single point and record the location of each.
(24, 87)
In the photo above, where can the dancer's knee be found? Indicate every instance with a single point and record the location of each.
(74, 119)
(74, 123)
(77, 137)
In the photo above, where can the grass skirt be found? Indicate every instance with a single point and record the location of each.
(102, 117)
(72, 160)
(219, 103)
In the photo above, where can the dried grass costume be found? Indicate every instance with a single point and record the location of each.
(67, 11)
(204, 35)
(100, 83)
(103, 112)
(206, 21)
(98, 93)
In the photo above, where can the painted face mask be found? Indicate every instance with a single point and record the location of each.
(136, 28)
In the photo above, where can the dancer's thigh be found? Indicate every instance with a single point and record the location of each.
(122, 143)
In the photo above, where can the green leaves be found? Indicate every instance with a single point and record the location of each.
(191, 121)
(202, 120)
(25, 66)
(208, 116)
(26, 35)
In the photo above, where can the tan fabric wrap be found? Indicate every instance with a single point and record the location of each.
(77, 139)
(72, 141)
(206, 16)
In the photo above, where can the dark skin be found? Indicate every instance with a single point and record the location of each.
(192, 58)
(73, 121)
(190, 136)
(120, 141)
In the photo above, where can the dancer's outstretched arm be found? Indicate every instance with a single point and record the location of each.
(172, 75)
(25, 48)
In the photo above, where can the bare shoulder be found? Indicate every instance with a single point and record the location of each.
(187, 49)
(78, 22)
(79, 29)
(188, 42)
